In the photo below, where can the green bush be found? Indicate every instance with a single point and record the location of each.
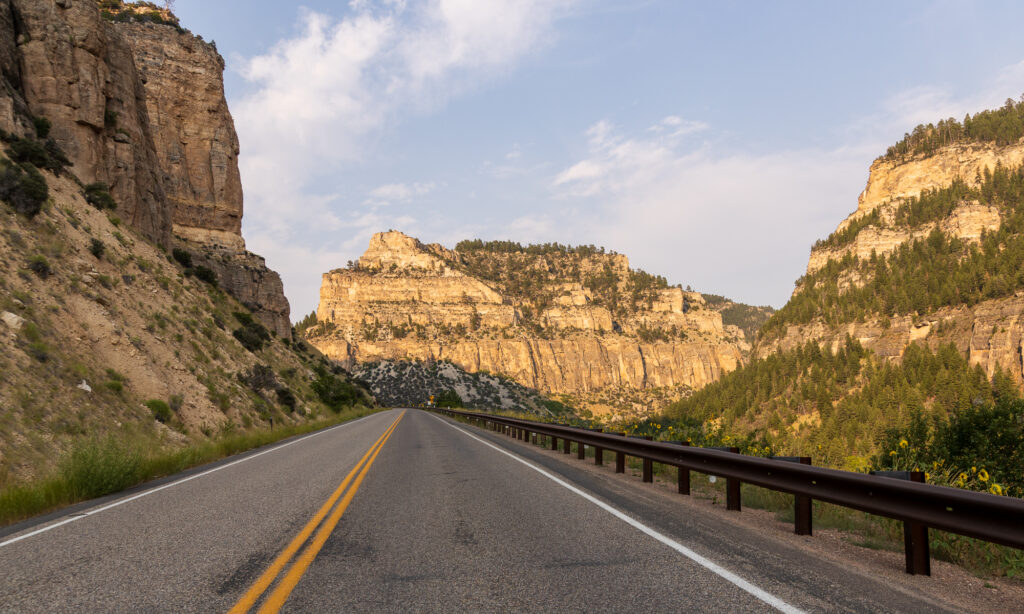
(42, 126)
(24, 188)
(334, 392)
(161, 410)
(45, 155)
(98, 195)
(286, 398)
(448, 398)
(205, 275)
(183, 257)
(252, 335)
(96, 248)
(39, 265)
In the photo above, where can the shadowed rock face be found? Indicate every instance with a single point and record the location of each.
(141, 108)
(406, 300)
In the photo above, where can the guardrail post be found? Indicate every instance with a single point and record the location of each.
(915, 534)
(801, 503)
(581, 451)
(554, 443)
(620, 459)
(533, 438)
(598, 452)
(732, 485)
(648, 465)
(684, 474)
(566, 446)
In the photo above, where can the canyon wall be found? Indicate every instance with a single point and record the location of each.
(990, 332)
(139, 107)
(407, 301)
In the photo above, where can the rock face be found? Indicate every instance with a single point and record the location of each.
(989, 333)
(193, 132)
(891, 182)
(405, 300)
(77, 71)
(140, 107)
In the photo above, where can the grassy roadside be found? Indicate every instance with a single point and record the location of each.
(100, 466)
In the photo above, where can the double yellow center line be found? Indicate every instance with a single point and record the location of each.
(287, 583)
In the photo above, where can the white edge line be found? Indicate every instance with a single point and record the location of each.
(764, 596)
(71, 519)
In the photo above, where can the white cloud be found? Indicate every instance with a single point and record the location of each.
(735, 224)
(318, 97)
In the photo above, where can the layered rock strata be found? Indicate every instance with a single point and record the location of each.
(989, 333)
(406, 300)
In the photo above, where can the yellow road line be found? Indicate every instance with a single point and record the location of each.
(287, 584)
(267, 578)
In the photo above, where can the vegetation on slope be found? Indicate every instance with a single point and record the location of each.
(106, 335)
(1002, 126)
(926, 274)
(849, 409)
(748, 318)
(532, 274)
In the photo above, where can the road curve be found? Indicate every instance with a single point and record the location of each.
(400, 512)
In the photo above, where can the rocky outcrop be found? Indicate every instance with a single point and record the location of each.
(245, 276)
(990, 334)
(192, 130)
(968, 221)
(141, 108)
(77, 71)
(408, 301)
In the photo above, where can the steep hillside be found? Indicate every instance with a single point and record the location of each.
(119, 316)
(573, 321)
(936, 261)
(902, 345)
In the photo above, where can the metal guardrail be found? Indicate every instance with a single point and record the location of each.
(991, 518)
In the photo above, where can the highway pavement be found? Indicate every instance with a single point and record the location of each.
(406, 511)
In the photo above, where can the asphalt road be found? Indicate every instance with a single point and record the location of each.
(415, 513)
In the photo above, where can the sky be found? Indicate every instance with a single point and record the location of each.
(711, 142)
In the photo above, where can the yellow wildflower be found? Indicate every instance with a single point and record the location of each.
(903, 443)
(927, 476)
(996, 489)
(983, 475)
(892, 452)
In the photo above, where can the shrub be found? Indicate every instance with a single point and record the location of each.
(259, 377)
(252, 335)
(98, 195)
(448, 398)
(24, 188)
(96, 248)
(334, 392)
(114, 386)
(206, 275)
(176, 401)
(161, 410)
(42, 126)
(39, 265)
(183, 257)
(286, 398)
(41, 155)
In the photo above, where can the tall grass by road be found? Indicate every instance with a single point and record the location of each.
(99, 466)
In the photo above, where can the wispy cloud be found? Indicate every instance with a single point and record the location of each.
(318, 97)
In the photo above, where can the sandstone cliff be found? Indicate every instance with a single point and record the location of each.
(557, 320)
(984, 324)
(139, 107)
